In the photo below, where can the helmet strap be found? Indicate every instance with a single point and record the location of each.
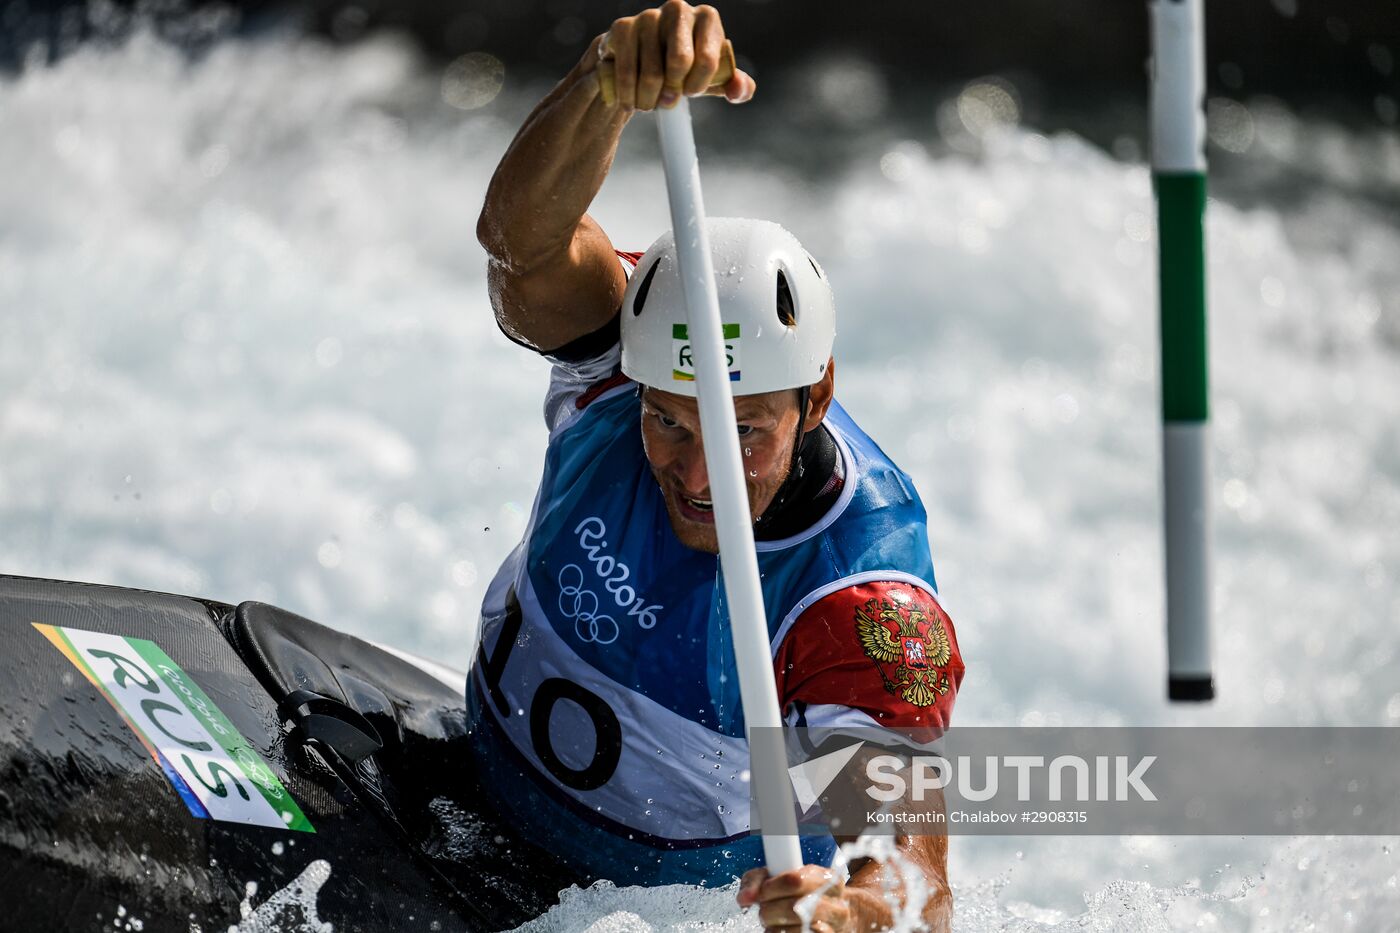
(804, 395)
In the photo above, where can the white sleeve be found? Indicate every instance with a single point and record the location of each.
(823, 721)
(569, 380)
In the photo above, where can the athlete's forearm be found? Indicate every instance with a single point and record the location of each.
(551, 172)
(552, 274)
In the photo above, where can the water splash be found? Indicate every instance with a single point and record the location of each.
(607, 908)
(289, 910)
(905, 888)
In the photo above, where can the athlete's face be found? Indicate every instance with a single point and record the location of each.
(767, 433)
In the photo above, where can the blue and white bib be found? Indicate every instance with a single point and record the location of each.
(605, 697)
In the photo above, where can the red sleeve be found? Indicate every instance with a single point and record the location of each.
(885, 648)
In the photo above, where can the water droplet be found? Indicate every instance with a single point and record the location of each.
(753, 473)
(748, 451)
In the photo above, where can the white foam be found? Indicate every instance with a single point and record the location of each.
(291, 909)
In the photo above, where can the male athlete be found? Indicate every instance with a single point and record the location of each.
(605, 697)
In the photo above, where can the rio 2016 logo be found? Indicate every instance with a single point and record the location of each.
(576, 602)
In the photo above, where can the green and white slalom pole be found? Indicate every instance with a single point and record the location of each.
(1179, 177)
(772, 788)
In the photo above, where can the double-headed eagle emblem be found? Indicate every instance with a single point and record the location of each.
(900, 634)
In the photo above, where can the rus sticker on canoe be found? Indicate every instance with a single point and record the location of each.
(209, 763)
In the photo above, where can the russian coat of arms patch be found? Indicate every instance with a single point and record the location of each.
(896, 633)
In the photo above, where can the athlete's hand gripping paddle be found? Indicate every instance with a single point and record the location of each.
(607, 73)
(767, 764)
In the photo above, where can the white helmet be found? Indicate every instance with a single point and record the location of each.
(775, 304)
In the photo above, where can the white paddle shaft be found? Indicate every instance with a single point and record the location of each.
(739, 562)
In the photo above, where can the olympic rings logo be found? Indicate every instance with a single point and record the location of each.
(581, 606)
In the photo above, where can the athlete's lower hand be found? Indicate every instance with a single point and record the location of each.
(651, 59)
(777, 898)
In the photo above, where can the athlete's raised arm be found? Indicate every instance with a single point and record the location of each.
(552, 272)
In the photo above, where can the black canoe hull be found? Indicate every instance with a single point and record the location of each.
(93, 833)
